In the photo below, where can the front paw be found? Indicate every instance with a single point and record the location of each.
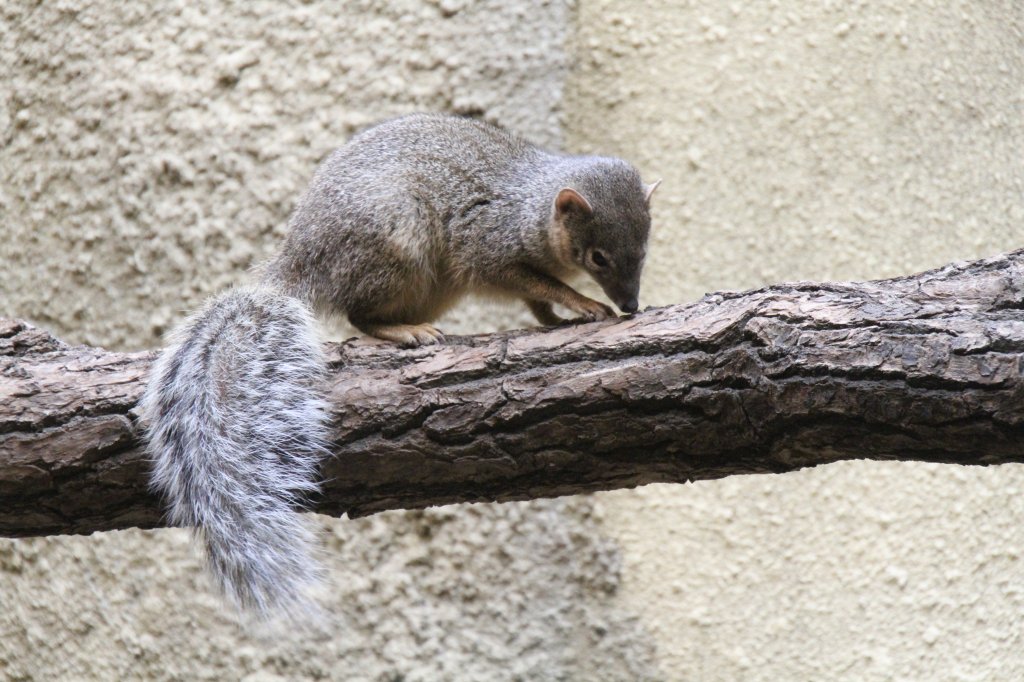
(593, 311)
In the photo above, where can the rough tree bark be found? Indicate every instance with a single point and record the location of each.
(926, 367)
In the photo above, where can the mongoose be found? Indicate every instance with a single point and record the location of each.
(395, 227)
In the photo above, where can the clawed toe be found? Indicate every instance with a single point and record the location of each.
(405, 335)
(594, 312)
(426, 335)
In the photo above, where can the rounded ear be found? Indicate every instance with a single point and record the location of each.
(569, 201)
(649, 190)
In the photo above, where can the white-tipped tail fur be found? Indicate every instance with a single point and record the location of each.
(237, 427)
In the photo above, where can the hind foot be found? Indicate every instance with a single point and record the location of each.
(405, 335)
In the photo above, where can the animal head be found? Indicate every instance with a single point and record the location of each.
(601, 224)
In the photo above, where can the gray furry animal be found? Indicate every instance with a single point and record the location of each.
(396, 226)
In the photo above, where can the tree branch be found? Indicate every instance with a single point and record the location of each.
(927, 367)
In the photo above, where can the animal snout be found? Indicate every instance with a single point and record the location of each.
(629, 305)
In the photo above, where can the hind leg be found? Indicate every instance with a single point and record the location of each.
(405, 335)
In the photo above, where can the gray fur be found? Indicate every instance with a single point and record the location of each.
(396, 226)
(237, 427)
(425, 208)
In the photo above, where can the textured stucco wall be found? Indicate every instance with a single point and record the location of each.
(150, 153)
(809, 140)
(524, 591)
(818, 140)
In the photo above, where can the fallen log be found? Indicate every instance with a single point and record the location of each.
(926, 367)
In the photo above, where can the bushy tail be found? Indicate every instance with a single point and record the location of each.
(237, 427)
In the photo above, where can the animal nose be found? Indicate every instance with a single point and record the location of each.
(629, 306)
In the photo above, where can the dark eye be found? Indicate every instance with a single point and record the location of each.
(598, 258)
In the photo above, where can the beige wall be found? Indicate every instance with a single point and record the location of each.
(150, 153)
(817, 140)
